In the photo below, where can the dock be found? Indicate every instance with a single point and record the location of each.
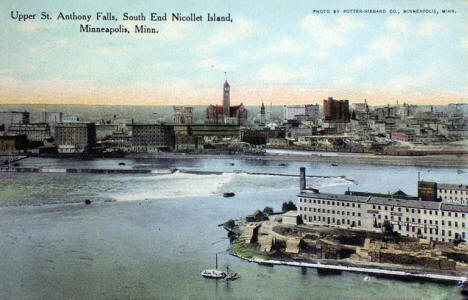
(440, 278)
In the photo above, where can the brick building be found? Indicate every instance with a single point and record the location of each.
(336, 111)
(152, 137)
(226, 114)
(75, 137)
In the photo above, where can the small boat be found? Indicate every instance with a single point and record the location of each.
(233, 164)
(283, 165)
(334, 165)
(213, 273)
(229, 194)
(88, 202)
(121, 164)
(232, 276)
(367, 278)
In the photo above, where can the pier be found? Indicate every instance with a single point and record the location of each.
(441, 278)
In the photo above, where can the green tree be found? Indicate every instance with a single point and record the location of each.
(268, 210)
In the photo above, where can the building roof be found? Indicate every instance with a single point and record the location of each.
(291, 213)
(327, 196)
(405, 203)
(452, 186)
(454, 207)
(418, 204)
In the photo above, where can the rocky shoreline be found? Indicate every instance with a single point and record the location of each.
(335, 250)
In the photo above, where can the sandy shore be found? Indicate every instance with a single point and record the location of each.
(458, 161)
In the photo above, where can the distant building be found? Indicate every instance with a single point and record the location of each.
(104, 131)
(403, 135)
(12, 144)
(37, 132)
(75, 137)
(183, 115)
(52, 118)
(262, 115)
(361, 107)
(307, 112)
(259, 137)
(152, 137)
(188, 143)
(226, 114)
(13, 117)
(453, 193)
(336, 111)
(301, 131)
(70, 119)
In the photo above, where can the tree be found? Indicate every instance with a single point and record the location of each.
(387, 228)
(288, 206)
(268, 210)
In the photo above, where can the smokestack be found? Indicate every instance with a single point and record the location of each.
(302, 179)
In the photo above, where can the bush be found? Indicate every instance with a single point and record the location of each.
(230, 224)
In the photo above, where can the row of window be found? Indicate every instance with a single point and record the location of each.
(429, 222)
(455, 192)
(332, 220)
(379, 207)
(328, 202)
(328, 211)
(432, 231)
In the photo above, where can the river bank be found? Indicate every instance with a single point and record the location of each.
(333, 251)
(377, 270)
(456, 161)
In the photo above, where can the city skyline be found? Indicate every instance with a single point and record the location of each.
(282, 55)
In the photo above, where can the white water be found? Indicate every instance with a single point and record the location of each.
(183, 185)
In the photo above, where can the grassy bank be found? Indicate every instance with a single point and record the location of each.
(244, 251)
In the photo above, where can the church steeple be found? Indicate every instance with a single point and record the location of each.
(262, 114)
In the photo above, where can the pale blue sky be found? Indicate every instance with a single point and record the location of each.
(275, 51)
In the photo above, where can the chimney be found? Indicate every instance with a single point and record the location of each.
(302, 179)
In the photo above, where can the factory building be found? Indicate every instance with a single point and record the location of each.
(336, 111)
(308, 112)
(75, 137)
(152, 137)
(453, 193)
(415, 218)
(37, 132)
(13, 117)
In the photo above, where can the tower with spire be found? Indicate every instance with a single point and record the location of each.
(226, 99)
(226, 114)
(262, 115)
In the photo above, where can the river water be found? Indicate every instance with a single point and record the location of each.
(149, 236)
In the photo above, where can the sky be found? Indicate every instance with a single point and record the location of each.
(278, 52)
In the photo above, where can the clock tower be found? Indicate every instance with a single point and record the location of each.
(226, 100)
